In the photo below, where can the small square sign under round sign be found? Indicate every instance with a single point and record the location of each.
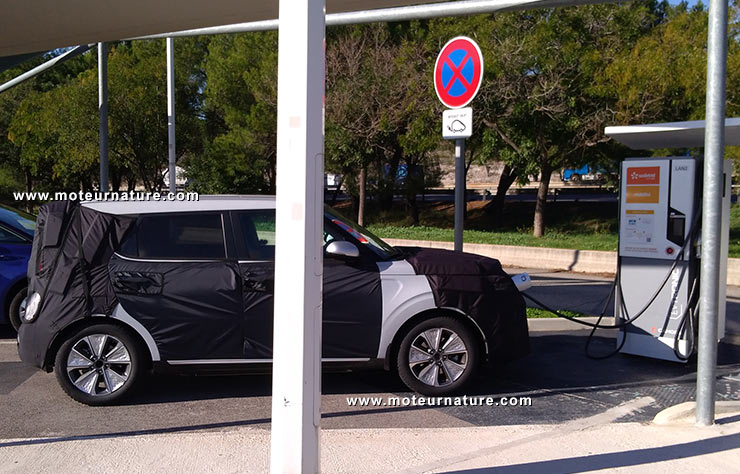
(457, 123)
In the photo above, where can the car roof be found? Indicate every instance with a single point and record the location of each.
(204, 203)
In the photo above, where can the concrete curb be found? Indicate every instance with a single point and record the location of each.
(685, 413)
(560, 324)
(582, 261)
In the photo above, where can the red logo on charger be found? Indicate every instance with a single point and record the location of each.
(643, 175)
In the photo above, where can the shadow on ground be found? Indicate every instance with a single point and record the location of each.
(622, 459)
(557, 378)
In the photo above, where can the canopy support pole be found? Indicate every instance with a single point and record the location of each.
(172, 157)
(296, 376)
(711, 225)
(103, 113)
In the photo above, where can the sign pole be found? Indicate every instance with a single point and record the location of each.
(459, 192)
(458, 73)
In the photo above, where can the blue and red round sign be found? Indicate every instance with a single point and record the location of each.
(458, 72)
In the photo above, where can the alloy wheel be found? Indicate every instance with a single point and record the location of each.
(98, 364)
(438, 357)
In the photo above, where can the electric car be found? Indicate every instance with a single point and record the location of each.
(16, 233)
(119, 288)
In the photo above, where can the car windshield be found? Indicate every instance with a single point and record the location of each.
(362, 235)
(18, 219)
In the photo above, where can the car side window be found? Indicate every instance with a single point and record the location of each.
(178, 236)
(258, 231)
(331, 234)
(8, 237)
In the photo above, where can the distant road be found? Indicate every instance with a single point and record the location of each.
(528, 197)
(524, 197)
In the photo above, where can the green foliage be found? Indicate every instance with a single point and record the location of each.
(663, 76)
(543, 313)
(16, 174)
(583, 228)
(381, 111)
(553, 79)
(241, 103)
(55, 129)
(552, 239)
(540, 106)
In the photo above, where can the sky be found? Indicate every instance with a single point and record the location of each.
(690, 2)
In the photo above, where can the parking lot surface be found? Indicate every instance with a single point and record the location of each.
(562, 383)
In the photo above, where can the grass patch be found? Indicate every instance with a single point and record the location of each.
(569, 225)
(734, 231)
(543, 313)
(551, 239)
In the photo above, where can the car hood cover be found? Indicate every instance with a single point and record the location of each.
(480, 288)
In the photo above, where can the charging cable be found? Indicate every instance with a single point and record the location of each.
(617, 286)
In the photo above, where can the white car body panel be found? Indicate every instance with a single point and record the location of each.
(405, 294)
(120, 314)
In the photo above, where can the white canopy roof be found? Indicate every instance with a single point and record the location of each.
(670, 135)
(43, 25)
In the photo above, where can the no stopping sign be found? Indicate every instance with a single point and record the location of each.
(458, 72)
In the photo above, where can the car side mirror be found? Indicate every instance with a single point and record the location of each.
(342, 248)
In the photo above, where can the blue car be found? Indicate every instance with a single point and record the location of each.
(16, 237)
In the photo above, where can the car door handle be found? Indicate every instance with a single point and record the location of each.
(256, 285)
(138, 283)
(136, 280)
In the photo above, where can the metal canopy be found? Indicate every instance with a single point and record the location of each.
(671, 134)
(43, 25)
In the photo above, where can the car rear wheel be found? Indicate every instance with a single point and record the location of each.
(99, 365)
(14, 310)
(438, 356)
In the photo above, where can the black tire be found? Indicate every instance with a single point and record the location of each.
(100, 392)
(576, 178)
(448, 361)
(14, 309)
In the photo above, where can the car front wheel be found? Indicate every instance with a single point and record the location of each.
(438, 356)
(99, 365)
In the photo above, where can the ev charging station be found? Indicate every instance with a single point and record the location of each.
(659, 256)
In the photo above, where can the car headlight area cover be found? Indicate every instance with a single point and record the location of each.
(30, 308)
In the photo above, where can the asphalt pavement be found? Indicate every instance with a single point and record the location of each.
(587, 294)
(563, 384)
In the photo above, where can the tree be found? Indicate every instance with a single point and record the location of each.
(538, 100)
(138, 105)
(15, 174)
(380, 111)
(57, 129)
(241, 111)
(663, 77)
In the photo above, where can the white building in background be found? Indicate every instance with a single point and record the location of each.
(180, 177)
